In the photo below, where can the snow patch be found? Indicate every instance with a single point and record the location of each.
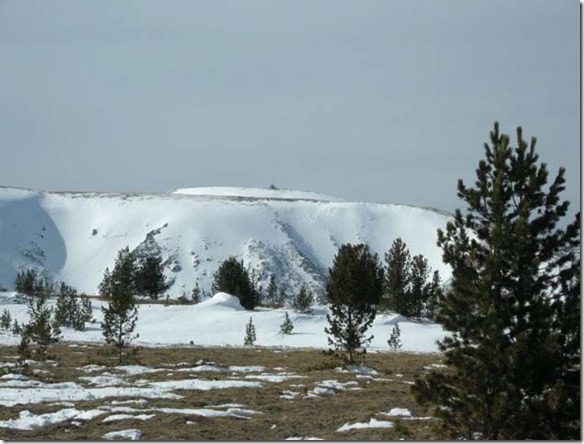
(130, 434)
(372, 424)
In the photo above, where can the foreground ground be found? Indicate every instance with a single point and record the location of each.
(201, 393)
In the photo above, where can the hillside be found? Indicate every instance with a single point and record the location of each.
(293, 234)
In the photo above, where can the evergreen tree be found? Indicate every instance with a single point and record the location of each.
(104, 286)
(196, 294)
(123, 275)
(353, 290)
(150, 278)
(250, 333)
(86, 309)
(302, 302)
(513, 305)
(287, 326)
(420, 289)
(121, 314)
(397, 279)
(394, 341)
(40, 329)
(272, 293)
(27, 282)
(72, 310)
(16, 328)
(5, 320)
(435, 295)
(233, 278)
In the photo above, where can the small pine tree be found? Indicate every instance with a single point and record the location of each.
(272, 292)
(5, 320)
(250, 333)
(394, 340)
(121, 314)
(86, 311)
(196, 294)
(23, 349)
(39, 328)
(302, 302)
(66, 309)
(287, 326)
(16, 328)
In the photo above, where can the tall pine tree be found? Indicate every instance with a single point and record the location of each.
(121, 314)
(353, 290)
(396, 297)
(513, 305)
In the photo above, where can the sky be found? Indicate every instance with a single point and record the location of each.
(383, 101)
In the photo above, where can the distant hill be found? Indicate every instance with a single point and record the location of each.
(74, 236)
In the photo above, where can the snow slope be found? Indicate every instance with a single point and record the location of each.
(292, 234)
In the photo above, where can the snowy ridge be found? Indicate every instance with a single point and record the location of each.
(292, 234)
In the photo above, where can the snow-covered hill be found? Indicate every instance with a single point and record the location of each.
(292, 234)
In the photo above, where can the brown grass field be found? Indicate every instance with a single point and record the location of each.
(279, 419)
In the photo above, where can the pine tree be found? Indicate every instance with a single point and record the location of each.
(420, 289)
(397, 279)
(5, 320)
(86, 309)
(104, 286)
(394, 341)
(150, 278)
(123, 274)
(121, 314)
(512, 307)
(272, 296)
(66, 309)
(435, 296)
(287, 326)
(353, 290)
(196, 294)
(40, 329)
(250, 333)
(302, 302)
(234, 279)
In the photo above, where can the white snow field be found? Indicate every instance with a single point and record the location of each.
(221, 321)
(291, 234)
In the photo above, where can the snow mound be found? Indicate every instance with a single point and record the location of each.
(222, 300)
(255, 193)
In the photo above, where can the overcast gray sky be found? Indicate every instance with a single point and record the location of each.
(387, 101)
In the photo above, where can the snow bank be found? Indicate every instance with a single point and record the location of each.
(221, 300)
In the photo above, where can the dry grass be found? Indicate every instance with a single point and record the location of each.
(280, 418)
